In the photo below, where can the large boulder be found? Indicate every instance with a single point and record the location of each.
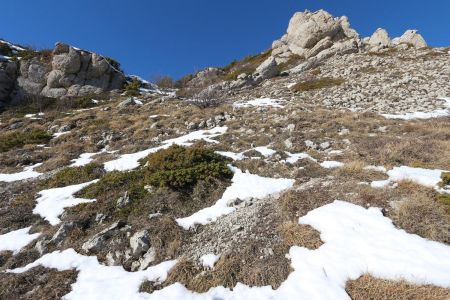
(267, 69)
(308, 29)
(380, 39)
(412, 38)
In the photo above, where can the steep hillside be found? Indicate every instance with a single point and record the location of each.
(318, 169)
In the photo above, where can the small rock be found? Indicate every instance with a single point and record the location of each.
(139, 243)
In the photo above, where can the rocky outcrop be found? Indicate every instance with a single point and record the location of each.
(380, 39)
(411, 38)
(309, 33)
(8, 76)
(64, 72)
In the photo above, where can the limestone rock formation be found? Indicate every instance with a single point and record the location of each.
(64, 72)
(309, 33)
(412, 38)
(380, 39)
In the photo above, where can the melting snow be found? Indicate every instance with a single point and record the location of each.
(131, 161)
(294, 157)
(83, 159)
(329, 164)
(209, 260)
(260, 102)
(28, 172)
(34, 116)
(356, 241)
(51, 203)
(423, 115)
(96, 281)
(58, 134)
(16, 240)
(244, 186)
(425, 177)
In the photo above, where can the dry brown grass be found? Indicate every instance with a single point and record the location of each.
(294, 234)
(421, 213)
(367, 287)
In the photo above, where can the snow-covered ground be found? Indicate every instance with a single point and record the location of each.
(244, 186)
(131, 161)
(51, 203)
(426, 177)
(423, 115)
(28, 172)
(209, 260)
(356, 241)
(17, 239)
(262, 102)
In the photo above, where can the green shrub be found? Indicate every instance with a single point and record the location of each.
(179, 167)
(75, 175)
(130, 181)
(315, 84)
(15, 139)
(132, 88)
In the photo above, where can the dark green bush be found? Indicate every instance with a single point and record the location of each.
(15, 139)
(75, 175)
(180, 167)
(129, 181)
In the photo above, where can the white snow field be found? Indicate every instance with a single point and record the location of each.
(51, 203)
(28, 172)
(425, 177)
(131, 161)
(17, 239)
(330, 164)
(262, 102)
(244, 186)
(356, 241)
(423, 115)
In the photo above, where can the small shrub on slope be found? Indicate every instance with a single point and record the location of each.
(17, 139)
(180, 167)
(75, 175)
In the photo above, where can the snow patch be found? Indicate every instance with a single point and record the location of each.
(17, 239)
(262, 102)
(28, 172)
(329, 164)
(209, 260)
(51, 203)
(131, 161)
(423, 115)
(426, 177)
(96, 281)
(244, 186)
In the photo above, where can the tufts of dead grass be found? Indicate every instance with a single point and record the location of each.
(368, 287)
(294, 234)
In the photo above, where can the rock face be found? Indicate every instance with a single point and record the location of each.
(65, 72)
(308, 29)
(8, 75)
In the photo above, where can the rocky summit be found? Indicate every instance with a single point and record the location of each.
(316, 169)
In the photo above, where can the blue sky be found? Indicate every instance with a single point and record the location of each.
(162, 37)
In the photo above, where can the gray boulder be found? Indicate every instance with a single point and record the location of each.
(266, 70)
(139, 243)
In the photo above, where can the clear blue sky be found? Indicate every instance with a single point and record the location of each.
(177, 37)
